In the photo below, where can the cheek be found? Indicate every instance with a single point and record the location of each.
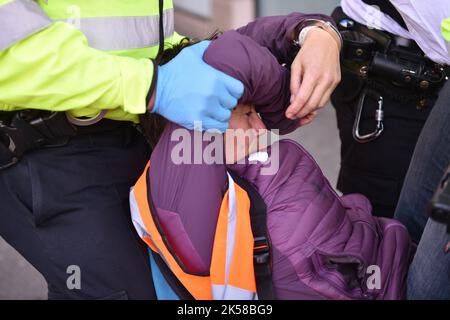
(238, 145)
(241, 123)
(232, 122)
(256, 122)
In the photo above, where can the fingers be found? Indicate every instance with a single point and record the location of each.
(219, 114)
(296, 78)
(314, 101)
(306, 121)
(326, 97)
(234, 86)
(227, 100)
(315, 73)
(315, 92)
(308, 118)
(304, 93)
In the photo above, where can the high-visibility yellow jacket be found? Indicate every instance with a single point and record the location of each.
(81, 56)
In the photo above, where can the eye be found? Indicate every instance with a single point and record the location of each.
(248, 114)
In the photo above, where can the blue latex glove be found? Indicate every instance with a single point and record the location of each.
(190, 90)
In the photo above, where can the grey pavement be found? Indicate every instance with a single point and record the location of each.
(19, 280)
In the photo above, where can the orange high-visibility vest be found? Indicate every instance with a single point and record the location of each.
(232, 274)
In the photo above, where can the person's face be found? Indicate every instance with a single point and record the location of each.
(241, 139)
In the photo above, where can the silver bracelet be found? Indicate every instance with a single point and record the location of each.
(325, 25)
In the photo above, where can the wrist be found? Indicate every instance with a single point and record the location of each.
(319, 33)
(309, 27)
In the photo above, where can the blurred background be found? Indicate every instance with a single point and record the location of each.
(198, 18)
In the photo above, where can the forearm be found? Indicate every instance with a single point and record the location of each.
(277, 33)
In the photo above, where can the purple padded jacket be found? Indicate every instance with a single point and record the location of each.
(323, 246)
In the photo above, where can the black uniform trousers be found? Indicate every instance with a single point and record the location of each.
(376, 169)
(66, 208)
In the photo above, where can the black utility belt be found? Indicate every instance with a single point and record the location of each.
(389, 67)
(27, 130)
(417, 75)
(376, 54)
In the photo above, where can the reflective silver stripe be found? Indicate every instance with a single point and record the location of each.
(122, 33)
(229, 292)
(18, 20)
(136, 216)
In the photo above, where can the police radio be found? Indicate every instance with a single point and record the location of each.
(406, 70)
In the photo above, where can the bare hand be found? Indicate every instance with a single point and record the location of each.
(315, 73)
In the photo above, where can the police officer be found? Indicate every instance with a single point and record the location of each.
(394, 63)
(66, 175)
(421, 211)
(71, 96)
